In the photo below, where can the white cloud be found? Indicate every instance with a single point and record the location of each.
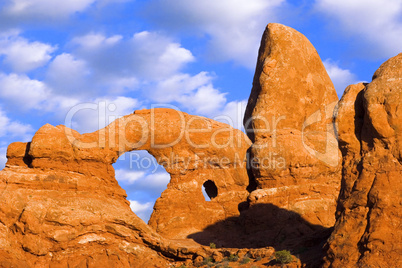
(96, 40)
(233, 27)
(232, 114)
(340, 77)
(22, 55)
(174, 55)
(195, 93)
(52, 12)
(142, 210)
(145, 179)
(146, 55)
(22, 91)
(47, 8)
(9, 128)
(17, 129)
(376, 24)
(102, 65)
(205, 101)
(3, 158)
(129, 177)
(99, 65)
(52, 8)
(18, 91)
(143, 185)
(156, 56)
(59, 105)
(155, 181)
(68, 75)
(121, 84)
(94, 115)
(106, 2)
(175, 86)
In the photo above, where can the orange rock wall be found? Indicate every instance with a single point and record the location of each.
(368, 228)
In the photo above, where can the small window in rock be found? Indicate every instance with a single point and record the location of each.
(209, 190)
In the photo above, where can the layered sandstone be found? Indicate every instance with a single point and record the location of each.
(61, 205)
(295, 156)
(368, 228)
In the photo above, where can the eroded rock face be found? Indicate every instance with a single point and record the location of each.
(289, 118)
(368, 228)
(60, 203)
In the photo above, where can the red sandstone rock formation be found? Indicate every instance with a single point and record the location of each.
(368, 228)
(209, 152)
(60, 203)
(69, 218)
(289, 119)
(61, 206)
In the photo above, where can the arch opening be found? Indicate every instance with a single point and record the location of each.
(210, 190)
(143, 179)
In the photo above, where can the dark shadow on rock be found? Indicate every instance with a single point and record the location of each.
(252, 183)
(264, 225)
(343, 146)
(271, 263)
(27, 158)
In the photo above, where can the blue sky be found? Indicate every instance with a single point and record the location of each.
(123, 55)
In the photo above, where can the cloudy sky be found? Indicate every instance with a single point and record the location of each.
(105, 58)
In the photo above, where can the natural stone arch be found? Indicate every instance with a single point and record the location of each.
(191, 148)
